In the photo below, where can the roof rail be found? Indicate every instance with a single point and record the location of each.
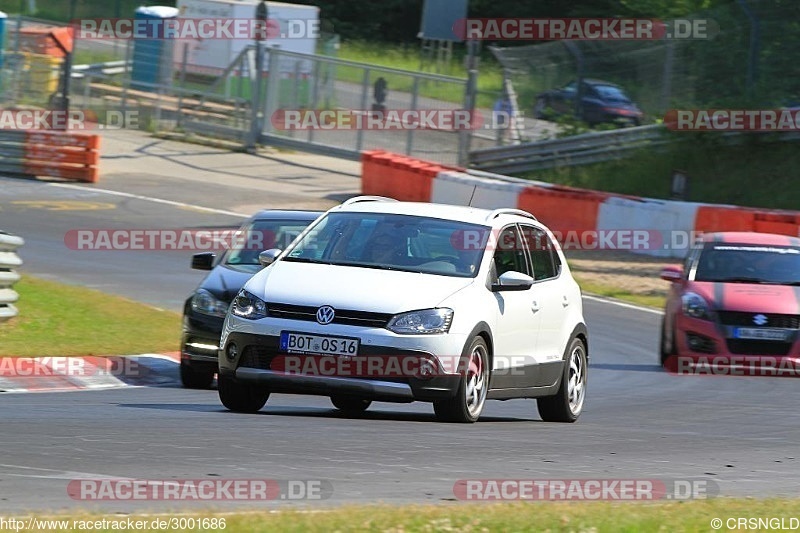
(358, 199)
(509, 211)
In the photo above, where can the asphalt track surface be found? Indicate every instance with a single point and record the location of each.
(738, 434)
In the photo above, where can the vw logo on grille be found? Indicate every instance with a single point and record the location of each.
(325, 314)
(758, 320)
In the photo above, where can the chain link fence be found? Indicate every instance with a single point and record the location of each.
(316, 84)
(154, 86)
(749, 62)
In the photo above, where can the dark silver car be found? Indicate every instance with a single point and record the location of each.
(204, 311)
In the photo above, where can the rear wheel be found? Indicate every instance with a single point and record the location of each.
(196, 379)
(468, 402)
(350, 405)
(567, 404)
(540, 109)
(240, 397)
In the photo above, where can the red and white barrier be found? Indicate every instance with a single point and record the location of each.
(661, 228)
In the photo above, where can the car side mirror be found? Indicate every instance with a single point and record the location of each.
(512, 281)
(267, 257)
(672, 273)
(203, 261)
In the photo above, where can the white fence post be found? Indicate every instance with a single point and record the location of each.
(9, 262)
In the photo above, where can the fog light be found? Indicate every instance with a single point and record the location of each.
(231, 351)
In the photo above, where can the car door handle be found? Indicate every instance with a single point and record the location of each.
(535, 306)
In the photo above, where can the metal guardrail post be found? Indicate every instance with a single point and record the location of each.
(126, 80)
(273, 89)
(465, 135)
(414, 98)
(9, 262)
(364, 104)
(184, 61)
(314, 95)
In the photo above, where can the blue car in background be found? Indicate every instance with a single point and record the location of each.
(601, 103)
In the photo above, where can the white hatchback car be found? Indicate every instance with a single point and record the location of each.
(381, 300)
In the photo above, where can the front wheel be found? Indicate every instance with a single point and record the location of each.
(567, 404)
(666, 349)
(240, 397)
(350, 405)
(468, 402)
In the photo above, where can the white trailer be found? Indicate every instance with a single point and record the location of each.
(299, 30)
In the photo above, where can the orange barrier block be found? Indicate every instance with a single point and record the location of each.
(782, 223)
(713, 218)
(563, 209)
(88, 174)
(55, 138)
(373, 165)
(62, 155)
(66, 155)
(399, 176)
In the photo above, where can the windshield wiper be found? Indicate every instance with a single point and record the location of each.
(306, 260)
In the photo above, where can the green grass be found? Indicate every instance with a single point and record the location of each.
(599, 517)
(56, 319)
(757, 174)
(609, 291)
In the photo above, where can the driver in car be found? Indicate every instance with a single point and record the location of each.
(385, 248)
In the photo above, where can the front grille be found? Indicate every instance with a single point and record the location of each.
(758, 347)
(701, 343)
(343, 316)
(739, 318)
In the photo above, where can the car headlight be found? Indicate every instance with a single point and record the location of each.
(695, 306)
(246, 305)
(206, 303)
(427, 321)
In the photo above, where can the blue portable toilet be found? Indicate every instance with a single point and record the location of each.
(3, 20)
(152, 54)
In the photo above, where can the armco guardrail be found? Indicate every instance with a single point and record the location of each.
(584, 218)
(68, 155)
(9, 262)
(581, 149)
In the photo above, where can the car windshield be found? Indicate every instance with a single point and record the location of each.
(611, 93)
(394, 242)
(747, 263)
(259, 235)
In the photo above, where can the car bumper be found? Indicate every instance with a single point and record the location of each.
(706, 345)
(200, 340)
(259, 361)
